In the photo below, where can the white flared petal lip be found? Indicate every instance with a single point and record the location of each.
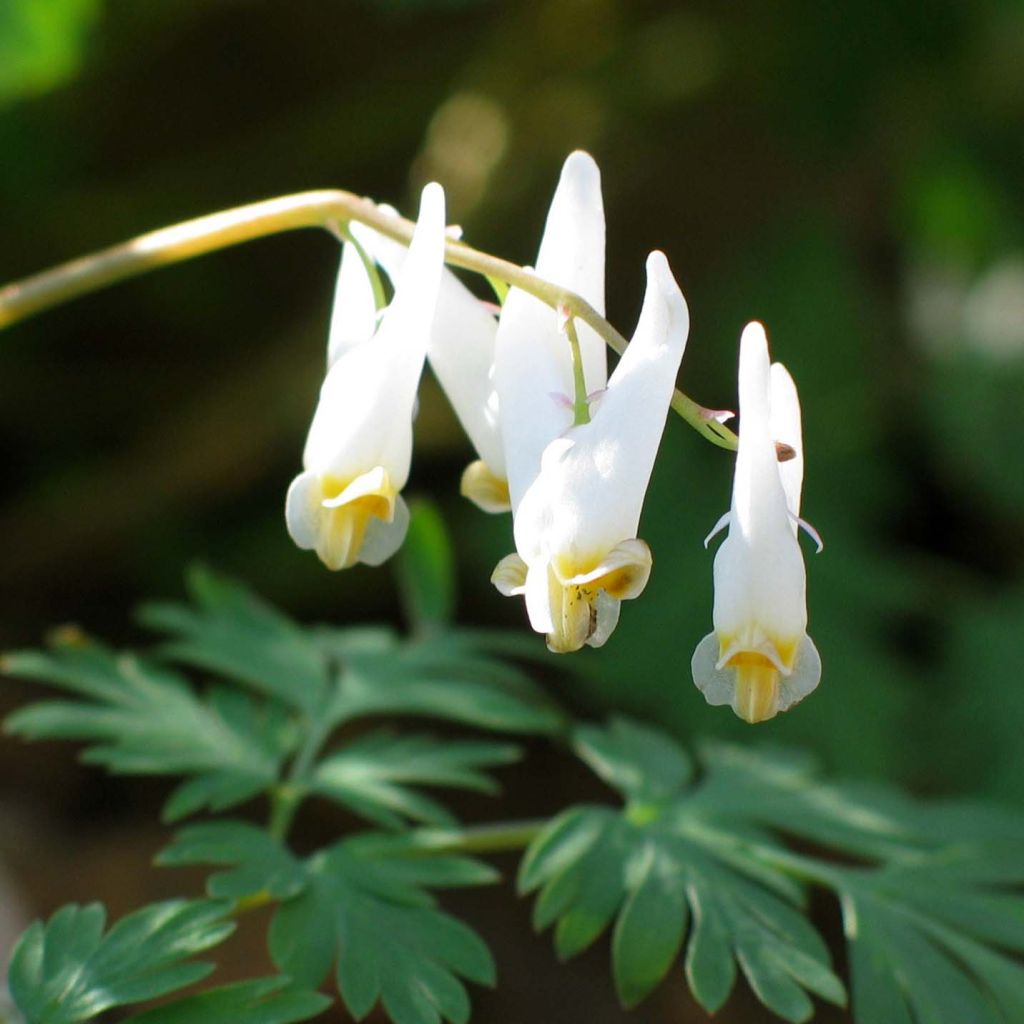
(301, 510)
(509, 576)
(629, 554)
(718, 683)
(375, 481)
(384, 537)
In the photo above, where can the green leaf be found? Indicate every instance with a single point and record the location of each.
(264, 1001)
(363, 904)
(933, 910)
(426, 569)
(375, 775)
(649, 931)
(438, 678)
(143, 718)
(643, 764)
(262, 865)
(230, 631)
(67, 970)
(670, 874)
(935, 935)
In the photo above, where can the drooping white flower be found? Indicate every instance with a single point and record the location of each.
(461, 354)
(578, 555)
(345, 504)
(759, 659)
(533, 368)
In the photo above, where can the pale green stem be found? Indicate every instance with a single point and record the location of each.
(499, 837)
(330, 209)
(286, 796)
(580, 404)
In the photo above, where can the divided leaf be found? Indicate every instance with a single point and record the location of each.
(363, 904)
(263, 1001)
(592, 865)
(230, 631)
(933, 945)
(375, 775)
(440, 678)
(67, 970)
(934, 917)
(144, 718)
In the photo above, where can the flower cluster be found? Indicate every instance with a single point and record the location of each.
(563, 446)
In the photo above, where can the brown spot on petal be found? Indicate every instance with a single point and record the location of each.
(784, 452)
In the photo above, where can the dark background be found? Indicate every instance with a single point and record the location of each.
(850, 174)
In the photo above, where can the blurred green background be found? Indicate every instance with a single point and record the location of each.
(850, 174)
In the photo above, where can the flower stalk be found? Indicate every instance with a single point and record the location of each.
(330, 209)
(580, 402)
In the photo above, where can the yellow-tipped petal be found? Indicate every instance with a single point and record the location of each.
(484, 488)
(331, 516)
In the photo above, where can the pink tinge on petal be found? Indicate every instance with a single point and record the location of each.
(717, 415)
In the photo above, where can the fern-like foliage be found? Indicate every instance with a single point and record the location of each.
(234, 738)
(70, 969)
(362, 904)
(704, 861)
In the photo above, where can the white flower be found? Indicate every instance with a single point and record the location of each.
(576, 527)
(345, 505)
(533, 362)
(760, 659)
(461, 354)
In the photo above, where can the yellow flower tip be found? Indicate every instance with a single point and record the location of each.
(756, 697)
(585, 598)
(488, 491)
(331, 515)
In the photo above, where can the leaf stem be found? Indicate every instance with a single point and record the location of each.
(327, 208)
(580, 403)
(286, 797)
(496, 837)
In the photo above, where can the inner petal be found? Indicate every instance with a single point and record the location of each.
(346, 509)
(757, 686)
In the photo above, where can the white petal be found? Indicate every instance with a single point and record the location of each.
(302, 510)
(460, 352)
(804, 678)
(364, 416)
(354, 314)
(538, 589)
(509, 576)
(590, 491)
(717, 684)
(784, 426)
(607, 610)
(382, 538)
(532, 356)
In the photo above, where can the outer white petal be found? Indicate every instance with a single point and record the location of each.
(354, 314)
(532, 357)
(759, 570)
(590, 491)
(364, 417)
(460, 352)
(384, 538)
(784, 423)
